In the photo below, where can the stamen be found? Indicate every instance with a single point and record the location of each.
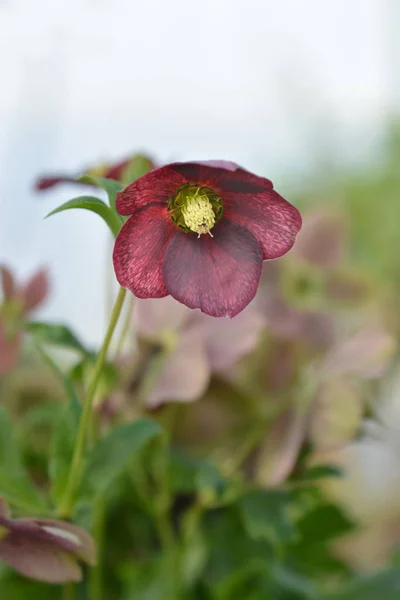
(195, 208)
(198, 214)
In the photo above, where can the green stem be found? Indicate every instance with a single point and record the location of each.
(67, 503)
(96, 573)
(125, 328)
(68, 592)
(150, 378)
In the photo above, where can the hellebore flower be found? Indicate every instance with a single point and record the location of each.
(44, 549)
(200, 233)
(194, 346)
(369, 488)
(332, 415)
(124, 171)
(300, 296)
(17, 303)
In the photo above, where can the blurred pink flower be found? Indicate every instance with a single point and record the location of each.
(323, 239)
(194, 345)
(370, 486)
(313, 328)
(365, 354)
(300, 294)
(280, 450)
(18, 302)
(44, 549)
(331, 415)
(124, 171)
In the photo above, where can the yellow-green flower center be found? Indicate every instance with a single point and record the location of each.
(195, 208)
(198, 214)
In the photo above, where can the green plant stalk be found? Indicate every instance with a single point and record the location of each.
(95, 591)
(67, 504)
(125, 328)
(68, 592)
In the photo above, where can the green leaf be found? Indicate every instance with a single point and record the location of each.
(59, 335)
(265, 515)
(381, 586)
(323, 525)
(112, 455)
(95, 205)
(110, 186)
(152, 579)
(208, 478)
(293, 582)
(229, 545)
(183, 469)
(15, 484)
(15, 587)
(136, 167)
(320, 472)
(38, 415)
(192, 474)
(238, 583)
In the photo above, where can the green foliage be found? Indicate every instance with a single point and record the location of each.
(15, 484)
(110, 186)
(14, 587)
(95, 205)
(57, 335)
(266, 515)
(381, 586)
(188, 514)
(62, 446)
(112, 455)
(320, 472)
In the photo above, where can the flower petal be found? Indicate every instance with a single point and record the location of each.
(322, 240)
(7, 282)
(39, 560)
(140, 249)
(271, 219)
(280, 451)
(154, 186)
(229, 340)
(222, 176)
(45, 183)
(154, 317)
(186, 371)
(367, 354)
(63, 531)
(35, 291)
(219, 275)
(35, 553)
(337, 414)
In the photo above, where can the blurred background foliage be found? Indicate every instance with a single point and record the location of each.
(256, 458)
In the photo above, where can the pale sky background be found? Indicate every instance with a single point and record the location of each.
(267, 84)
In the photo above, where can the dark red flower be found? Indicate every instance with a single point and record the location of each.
(44, 549)
(124, 171)
(164, 247)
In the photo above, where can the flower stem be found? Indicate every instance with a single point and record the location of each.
(67, 503)
(68, 592)
(125, 327)
(96, 572)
